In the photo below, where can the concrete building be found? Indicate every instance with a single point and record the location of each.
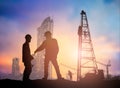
(15, 67)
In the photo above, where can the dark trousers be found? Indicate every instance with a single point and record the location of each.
(55, 64)
(27, 71)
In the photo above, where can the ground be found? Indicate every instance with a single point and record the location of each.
(7, 83)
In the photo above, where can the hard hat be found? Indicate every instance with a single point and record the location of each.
(47, 33)
(28, 36)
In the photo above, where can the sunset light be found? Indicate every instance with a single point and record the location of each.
(18, 18)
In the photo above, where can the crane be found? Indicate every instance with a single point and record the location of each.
(107, 67)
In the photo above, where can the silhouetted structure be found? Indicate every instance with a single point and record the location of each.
(86, 56)
(38, 71)
(15, 67)
(26, 58)
(51, 50)
(107, 68)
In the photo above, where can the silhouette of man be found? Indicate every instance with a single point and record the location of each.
(70, 74)
(51, 50)
(26, 58)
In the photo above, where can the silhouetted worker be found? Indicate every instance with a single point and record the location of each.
(80, 31)
(26, 58)
(70, 74)
(51, 50)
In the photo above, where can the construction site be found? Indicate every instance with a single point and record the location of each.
(88, 73)
(86, 56)
(87, 64)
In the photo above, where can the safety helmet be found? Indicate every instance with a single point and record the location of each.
(47, 33)
(28, 36)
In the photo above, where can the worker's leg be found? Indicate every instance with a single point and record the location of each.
(46, 62)
(27, 72)
(55, 64)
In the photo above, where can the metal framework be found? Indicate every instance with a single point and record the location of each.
(107, 67)
(86, 57)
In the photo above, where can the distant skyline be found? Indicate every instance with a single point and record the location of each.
(20, 17)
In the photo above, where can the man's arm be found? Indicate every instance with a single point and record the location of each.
(42, 46)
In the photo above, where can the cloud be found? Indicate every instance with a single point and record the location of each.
(106, 51)
(8, 29)
(116, 3)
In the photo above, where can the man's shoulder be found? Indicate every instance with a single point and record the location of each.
(54, 39)
(25, 44)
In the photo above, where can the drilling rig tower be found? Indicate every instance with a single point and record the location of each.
(86, 57)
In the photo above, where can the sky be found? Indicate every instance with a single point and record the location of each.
(20, 17)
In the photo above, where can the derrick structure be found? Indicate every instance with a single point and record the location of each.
(86, 57)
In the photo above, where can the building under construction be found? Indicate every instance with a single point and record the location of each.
(38, 68)
(15, 67)
(87, 64)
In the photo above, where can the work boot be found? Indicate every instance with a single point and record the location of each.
(60, 78)
(44, 78)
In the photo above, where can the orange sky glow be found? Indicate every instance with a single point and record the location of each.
(104, 31)
(68, 53)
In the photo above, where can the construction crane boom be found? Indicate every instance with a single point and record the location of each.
(107, 67)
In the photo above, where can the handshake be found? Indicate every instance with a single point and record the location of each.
(34, 53)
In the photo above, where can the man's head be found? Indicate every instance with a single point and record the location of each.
(48, 34)
(28, 38)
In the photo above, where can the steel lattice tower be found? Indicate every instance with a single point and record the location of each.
(86, 57)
